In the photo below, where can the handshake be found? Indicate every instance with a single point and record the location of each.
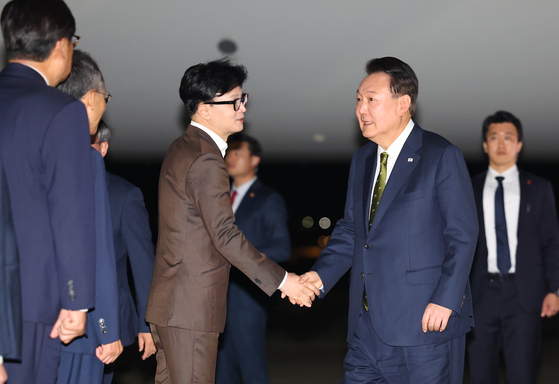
(301, 290)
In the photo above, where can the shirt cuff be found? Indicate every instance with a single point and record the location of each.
(283, 281)
(1, 360)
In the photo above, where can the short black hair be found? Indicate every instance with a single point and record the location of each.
(31, 28)
(254, 146)
(403, 80)
(501, 117)
(85, 76)
(203, 82)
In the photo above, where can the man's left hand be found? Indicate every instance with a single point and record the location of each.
(146, 344)
(550, 305)
(435, 318)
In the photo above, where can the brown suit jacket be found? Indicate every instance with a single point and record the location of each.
(198, 240)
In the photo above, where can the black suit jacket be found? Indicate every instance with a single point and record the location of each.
(537, 254)
(10, 286)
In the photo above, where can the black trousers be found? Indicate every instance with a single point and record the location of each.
(502, 325)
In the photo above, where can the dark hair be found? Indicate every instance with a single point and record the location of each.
(254, 146)
(85, 76)
(501, 117)
(403, 80)
(203, 82)
(31, 28)
(103, 132)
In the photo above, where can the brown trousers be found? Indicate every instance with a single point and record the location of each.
(184, 356)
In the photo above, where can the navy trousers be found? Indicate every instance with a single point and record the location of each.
(40, 356)
(369, 360)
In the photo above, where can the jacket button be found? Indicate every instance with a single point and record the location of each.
(362, 275)
(367, 246)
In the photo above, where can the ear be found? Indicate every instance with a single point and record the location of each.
(88, 100)
(203, 111)
(404, 103)
(518, 147)
(104, 148)
(485, 147)
(254, 161)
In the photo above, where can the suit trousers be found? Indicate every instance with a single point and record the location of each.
(40, 356)
(184, 356)
(79, 368)
(501, 324)
(369, 360)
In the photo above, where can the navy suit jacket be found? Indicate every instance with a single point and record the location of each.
(420, 247)
(46, 151)
(262, 217)
(132, 241)
(10, 286)
(103, 321)
(537, 253)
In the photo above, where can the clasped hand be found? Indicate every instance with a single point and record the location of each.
(300, 291)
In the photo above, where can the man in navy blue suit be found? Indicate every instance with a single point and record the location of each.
(10, 283)
(84, 359)
(515, 275)
(44, 144)
(261, 214)
(408, 235)
(132, 242)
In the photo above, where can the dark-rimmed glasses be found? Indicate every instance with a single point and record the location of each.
(75, 40)
(236, 103)
(106, 95)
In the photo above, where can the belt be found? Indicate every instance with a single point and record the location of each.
(499, 277)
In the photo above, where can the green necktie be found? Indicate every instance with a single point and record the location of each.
(377, 194)
(379, 187)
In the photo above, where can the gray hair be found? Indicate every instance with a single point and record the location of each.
(85, 76)
(103, 132)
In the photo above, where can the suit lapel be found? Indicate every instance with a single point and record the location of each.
(525, 190)
(405, 164)
(370, 166)
(247, 199)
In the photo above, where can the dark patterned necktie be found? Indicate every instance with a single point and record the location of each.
(503, 251)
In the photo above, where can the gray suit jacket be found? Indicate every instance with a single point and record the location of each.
(198, 240)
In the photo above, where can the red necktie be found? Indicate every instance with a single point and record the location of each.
(233, 197)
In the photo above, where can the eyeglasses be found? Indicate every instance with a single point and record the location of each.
(106, 95)
(75, 40)
(236, 103)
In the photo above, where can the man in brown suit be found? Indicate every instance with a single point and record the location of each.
(198, 240)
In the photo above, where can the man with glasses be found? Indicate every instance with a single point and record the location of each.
(198, 240)
(44, 144)
(83, 360)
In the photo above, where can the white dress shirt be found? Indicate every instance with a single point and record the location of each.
(393, 153)
(221, 144)
(511, 192)
(241, 192)
(39, 72)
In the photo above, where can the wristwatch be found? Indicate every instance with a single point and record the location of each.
(556, 293)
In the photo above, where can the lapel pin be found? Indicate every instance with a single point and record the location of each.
(529, 182)
(410, 159)
(252, 194)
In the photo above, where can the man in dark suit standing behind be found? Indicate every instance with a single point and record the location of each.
(10, 285)
(198, 240)
(44, 144)
(515, 275)
(132, 242)
(409, 241)
(261, 214)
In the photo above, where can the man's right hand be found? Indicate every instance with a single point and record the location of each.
(3, 374)
(302, 294)
(108, 353)
(70, 324)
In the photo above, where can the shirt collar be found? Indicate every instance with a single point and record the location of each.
(242, 190)
(221, 144)
(510, 172)
(396, 147)
(39, 72)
